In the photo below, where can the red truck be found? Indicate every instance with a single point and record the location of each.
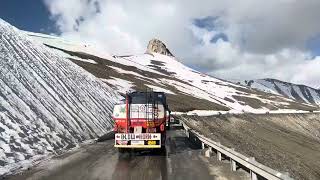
(141, 121)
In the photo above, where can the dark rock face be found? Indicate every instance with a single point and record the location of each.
(157, 46)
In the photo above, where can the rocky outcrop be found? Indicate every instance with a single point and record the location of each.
(157, 46)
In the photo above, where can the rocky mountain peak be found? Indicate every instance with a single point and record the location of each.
(157, 46)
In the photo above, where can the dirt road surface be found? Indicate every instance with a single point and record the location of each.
(182, 161)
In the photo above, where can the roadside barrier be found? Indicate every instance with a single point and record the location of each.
(236, 159)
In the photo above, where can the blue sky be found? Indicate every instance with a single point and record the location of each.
(29, 15)
(209, 23)
(313, 44)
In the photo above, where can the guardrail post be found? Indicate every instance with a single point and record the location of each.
(187, 133)
(207, 153)
(253, 175)
(286, 176)
(233, 165)
(202, 145)
(219, 156)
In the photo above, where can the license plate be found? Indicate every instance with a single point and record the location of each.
(139, 136)
(137, 142)
(152, 143)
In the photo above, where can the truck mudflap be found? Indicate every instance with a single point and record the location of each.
(137, 140)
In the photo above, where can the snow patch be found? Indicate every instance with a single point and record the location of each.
(159, 89)
(121, 85)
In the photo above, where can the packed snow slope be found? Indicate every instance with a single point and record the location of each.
(46, 102)
(187, 89)
(298, 92)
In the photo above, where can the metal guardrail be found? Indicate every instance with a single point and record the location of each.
(236, 158)
(218, 113)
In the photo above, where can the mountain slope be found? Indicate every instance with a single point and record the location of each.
(300, 93)
(187, 89)
(46, 101)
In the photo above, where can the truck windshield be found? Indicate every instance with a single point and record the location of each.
(142, 98)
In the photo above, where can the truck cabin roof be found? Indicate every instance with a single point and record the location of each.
(147, 97)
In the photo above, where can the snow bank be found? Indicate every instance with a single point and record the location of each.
(47, 103)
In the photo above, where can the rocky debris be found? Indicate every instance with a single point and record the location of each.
(284, 142)
(157, 46)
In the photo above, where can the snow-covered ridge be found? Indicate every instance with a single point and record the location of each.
(294, 91)
(47, 102)
(67, 44)
(188, 88)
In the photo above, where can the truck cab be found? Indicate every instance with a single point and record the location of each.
(141, 120)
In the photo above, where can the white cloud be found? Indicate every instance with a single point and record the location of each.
(265, 38)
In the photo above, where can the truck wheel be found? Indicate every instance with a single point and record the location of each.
(163, 150)
(160, 151)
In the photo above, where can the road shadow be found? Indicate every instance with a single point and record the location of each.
(142, 165)
(107, 136)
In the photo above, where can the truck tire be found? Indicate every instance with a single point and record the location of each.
(163, 151)
(160, 151)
